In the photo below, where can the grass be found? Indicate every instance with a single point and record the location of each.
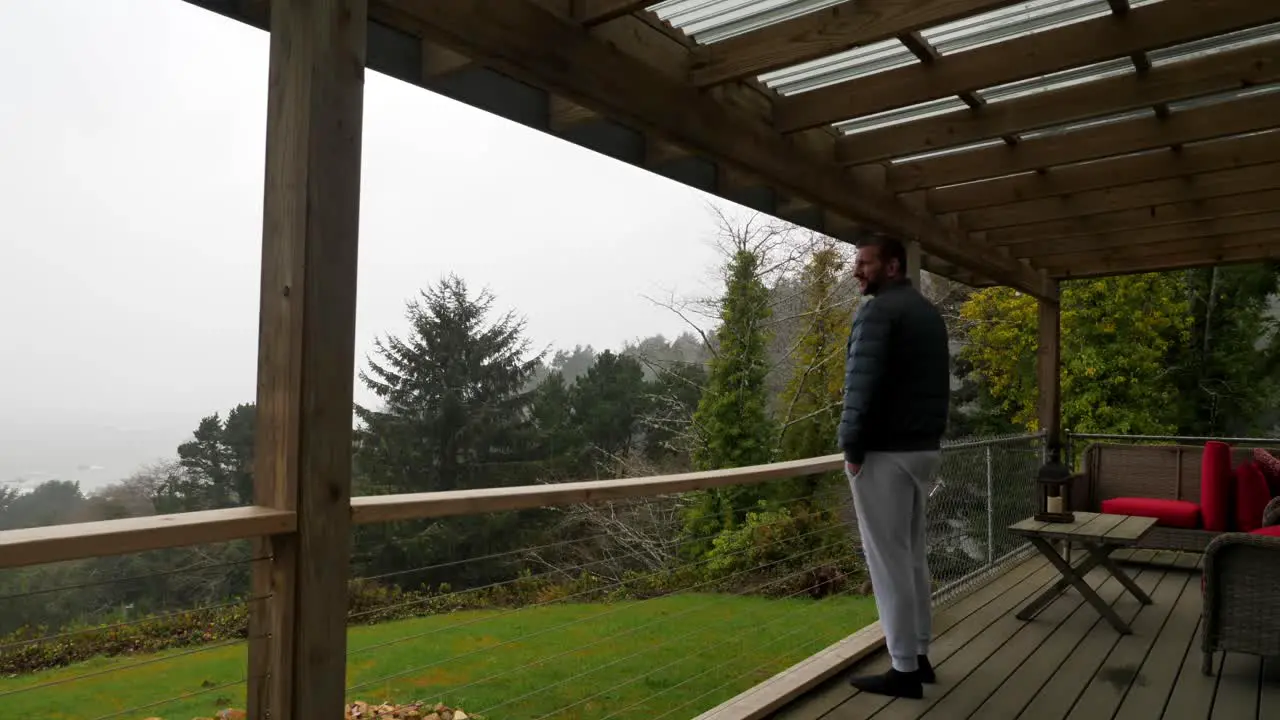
(680, 655)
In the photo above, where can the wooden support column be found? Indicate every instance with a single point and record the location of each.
(1048, 373)
(306, 355)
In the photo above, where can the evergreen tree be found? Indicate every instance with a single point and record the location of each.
(455, 415)
(732, 419)
(455, 411)
(217, 462)
(563, 448)
(609, 402)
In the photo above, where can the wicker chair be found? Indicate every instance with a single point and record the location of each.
(1242, 593)
(1161, 472)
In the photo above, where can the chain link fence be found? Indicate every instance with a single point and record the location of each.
(982, 487)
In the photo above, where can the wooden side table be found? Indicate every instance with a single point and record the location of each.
(1100, 535)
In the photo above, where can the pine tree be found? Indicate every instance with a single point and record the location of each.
(217, 461)
(609, 401)
(455, 415)
(455, 410)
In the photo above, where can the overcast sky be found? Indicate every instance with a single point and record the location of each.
(131, 176)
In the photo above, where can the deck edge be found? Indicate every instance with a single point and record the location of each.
(772, 694)
(766, 698)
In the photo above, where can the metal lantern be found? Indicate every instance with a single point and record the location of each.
(1054, 480)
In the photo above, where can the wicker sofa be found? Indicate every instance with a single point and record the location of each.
(1242, 591)
(1158, 472)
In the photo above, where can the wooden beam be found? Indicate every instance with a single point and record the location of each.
(1083, 43)
(1225, 254)
(1202, 123)
(1144, 253)
(1042, 250)
(1219, 72)
(1049, 372)
(1157, 192)
(547, 51)
(306, 353)
(594, 12)
(418, 506)
(1243, 204)
(825, 32)
(76, 541)
(1167, 163)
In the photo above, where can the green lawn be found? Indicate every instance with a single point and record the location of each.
(680, 654)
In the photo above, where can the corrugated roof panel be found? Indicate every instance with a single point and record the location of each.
(946, 151)
(899, 116)
(1213, 45)
(1058, 80)
(1019, 20)
(832, 69)
(1086, 124)
(709, 21)
(1223, 97)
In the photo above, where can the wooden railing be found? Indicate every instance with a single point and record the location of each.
(76, 541)
(277, 528)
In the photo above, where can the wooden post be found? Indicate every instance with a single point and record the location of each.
(913, 264)
(306, 355)
(1048, 374)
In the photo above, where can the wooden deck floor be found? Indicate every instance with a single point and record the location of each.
(1068, 663)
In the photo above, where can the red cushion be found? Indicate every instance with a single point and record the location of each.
(1216, 485)
(1270, 466)
(1170, 513)
(1252, 496)
(1271, 530)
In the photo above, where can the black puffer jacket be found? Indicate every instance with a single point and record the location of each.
(897, 375)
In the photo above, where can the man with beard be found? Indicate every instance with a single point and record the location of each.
(896, 395)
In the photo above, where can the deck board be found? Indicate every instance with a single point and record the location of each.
(1192, 694)
(954, 626)
(983, 642)
(962, 698)
(1120, 669)
(1269, 697)
(1013, 688)
(1059, 691)
(1237, 691)
(1149, 694)
(1068, 663)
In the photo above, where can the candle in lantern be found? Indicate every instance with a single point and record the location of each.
(1053, 504)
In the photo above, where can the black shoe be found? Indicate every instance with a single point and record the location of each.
(892, 683)
(925, 670)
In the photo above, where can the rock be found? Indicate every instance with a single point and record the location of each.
(459, 715)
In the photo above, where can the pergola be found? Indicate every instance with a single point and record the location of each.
(1013, 143)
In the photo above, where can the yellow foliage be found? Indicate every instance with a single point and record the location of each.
(1117, 337)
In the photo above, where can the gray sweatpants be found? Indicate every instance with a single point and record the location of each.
(889, 496)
